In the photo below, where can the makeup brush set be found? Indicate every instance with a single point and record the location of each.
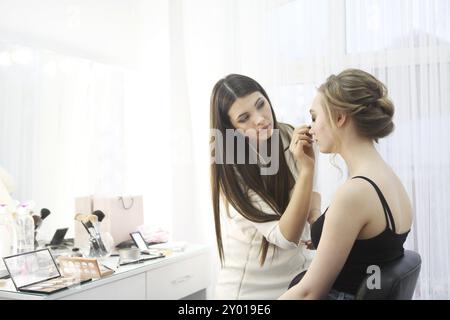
(90, 223)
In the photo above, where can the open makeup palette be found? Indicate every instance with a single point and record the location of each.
(37, 272)
(83, 268)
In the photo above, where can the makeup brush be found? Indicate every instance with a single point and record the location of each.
(99, 214)
(45, 213)
(81, 218)
(84, 220)
(90, 221)
(93, 223)
(38, 219)
(93, 218)
(37, 222)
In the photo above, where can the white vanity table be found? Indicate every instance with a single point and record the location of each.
(183, 274)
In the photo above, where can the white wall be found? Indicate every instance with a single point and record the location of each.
(102, 30)
(132, 35)
(147, 116)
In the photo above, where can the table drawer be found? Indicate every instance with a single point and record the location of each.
(131, 288)
(178, 279)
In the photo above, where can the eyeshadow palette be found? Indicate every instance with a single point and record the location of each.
(53, 285)
(82, 268)
(37, 272)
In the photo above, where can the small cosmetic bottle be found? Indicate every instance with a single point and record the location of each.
(76, 252)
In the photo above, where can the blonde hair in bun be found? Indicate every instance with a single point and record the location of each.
(364, 98)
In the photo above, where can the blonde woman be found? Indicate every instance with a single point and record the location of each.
(370, 215)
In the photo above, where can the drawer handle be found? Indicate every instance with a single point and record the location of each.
(181, 280)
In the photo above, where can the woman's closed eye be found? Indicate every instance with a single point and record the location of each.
(243, 119)
(260, 105)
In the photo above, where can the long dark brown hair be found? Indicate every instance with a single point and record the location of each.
(228, 180)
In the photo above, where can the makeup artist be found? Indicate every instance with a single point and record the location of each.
(265, 214)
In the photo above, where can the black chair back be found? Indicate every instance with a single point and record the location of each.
(397, 282)
(398, 279)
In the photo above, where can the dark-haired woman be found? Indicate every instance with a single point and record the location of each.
(262, 200)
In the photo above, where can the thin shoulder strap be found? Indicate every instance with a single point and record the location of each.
(387, 210)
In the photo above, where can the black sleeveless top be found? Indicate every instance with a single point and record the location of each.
(384, 247)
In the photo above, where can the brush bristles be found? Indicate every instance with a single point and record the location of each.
(85, 218)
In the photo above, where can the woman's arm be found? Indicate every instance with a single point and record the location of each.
(296, 214)
(343, 223)
(294, 218)
(315, 211)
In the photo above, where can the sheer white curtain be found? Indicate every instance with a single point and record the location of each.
(61, 128)
(292, 46)
(407, 45)
(148, 118)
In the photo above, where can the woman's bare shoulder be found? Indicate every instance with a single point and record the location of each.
(353, 197)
